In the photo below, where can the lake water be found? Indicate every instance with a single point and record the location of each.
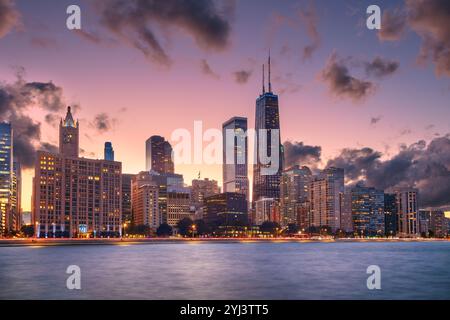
(253, 270)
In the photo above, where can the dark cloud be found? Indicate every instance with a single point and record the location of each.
(308, 17)
(299, 153)
(431, 20)
(375, 120)
(381, 68)
(393, 25)
(9, 17)
(102, 122)
(242, 76)
(207, 70)
(426, 167)
(15, 102)
(138, 22)
(341, 83)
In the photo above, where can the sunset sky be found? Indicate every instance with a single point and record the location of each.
(132, 72)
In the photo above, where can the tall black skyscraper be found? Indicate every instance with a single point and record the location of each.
(267, 118)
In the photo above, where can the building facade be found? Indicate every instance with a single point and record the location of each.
(407, 212)
(368, 211)
(294, 194)
(7, 216)
(145, 201)
(226, 209)
(76, 197)
(235, 156)
(202, 189)
(390, 215)
(264, 210)
(326, 198)
(126, 198)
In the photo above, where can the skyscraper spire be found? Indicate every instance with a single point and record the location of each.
(270, 83)
(263, 80)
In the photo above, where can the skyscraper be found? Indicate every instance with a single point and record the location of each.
(294, 188)
(266, 182)
(158, 155)
(368, 211)
(75, 197)
(6, 177)
(407, 211)
(390, 215)
(145, 201)
(326, 197)
(69, 136)
(235, 148)
(126, 197)
(109, 151)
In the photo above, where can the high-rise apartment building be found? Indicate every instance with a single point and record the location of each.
(158, 155)
(326, 198)
(438, 223)
(126, 198)
(294, 189)
(390, 214)
(6, 177)
(368, 211)
(407, 211)
(267, 175)
(145, 199)
(235, 156)
(76, 197)
(178, 205)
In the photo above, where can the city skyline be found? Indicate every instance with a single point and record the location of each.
(390, 122)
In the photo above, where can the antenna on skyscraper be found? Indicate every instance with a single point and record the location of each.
(263, 80)
(270, 83)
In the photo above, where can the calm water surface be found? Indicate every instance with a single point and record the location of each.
(414, 270)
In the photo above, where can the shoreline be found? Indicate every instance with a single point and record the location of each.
(128, 241)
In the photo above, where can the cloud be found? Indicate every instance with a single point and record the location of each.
(380, 68)
(207, 70)
(138, 23)
(242, 76)
(393, 25)
(375, 120)
(16, 99)
(9, 17)
(310, 21)
(426, 167)
(102, 122)
(341, 83)
(299, 153)
(430, 19)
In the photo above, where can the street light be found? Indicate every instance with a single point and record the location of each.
(193, 227)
